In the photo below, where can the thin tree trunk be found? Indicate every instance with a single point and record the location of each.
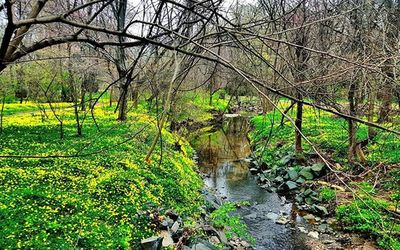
(299, 124)
(61, 130)
(371, 108)
(1, 114)
(351, 124)
(111, 96)
(78, 125)
(123, 103)
(166, 109)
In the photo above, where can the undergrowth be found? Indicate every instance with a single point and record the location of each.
(100, 194)
(232, 224)
(370, 215)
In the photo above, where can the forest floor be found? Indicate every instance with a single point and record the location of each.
(90, 191)
(96, 190)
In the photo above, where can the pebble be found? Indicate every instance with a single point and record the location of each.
(331, 221)
(167, 239)
(272, 216)
(309, 217)
(283, 220)
(175, 227)
(313, 234)
(303, 230)
(328, 241)
(214, 240)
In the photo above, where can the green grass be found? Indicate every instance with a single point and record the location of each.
(367, 213)
(232, 224)
(370, 215)
(102, 200)
(326, 132)
(327, 194)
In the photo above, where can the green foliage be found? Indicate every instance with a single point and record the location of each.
(196, 106)
(327, 194)
(102, 200)
(324, 131)
(232, 224)
(369, 215)
(365, 187)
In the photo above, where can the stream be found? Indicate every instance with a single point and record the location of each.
(224, 158)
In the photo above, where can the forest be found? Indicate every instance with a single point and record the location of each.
(200, 124)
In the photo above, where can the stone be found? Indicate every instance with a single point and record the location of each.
(214, 240)
(320, 209)
(245, 244)
(323, 228)
(212, 200)
(170, 222)
(200, 246)
(175, 227)
(328, 242)
(303, 230)
(313, 234)
(222, 237)
(152, 243)
(167, 239)
(331, 221)
(253, 170)
(283, 220)
(247, 159)
(231, 115)
(272, 216)
(309, 217)
(186, 248)
(291, 185)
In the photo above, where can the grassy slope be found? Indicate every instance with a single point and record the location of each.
(99, 201)
(368, 213)
(326, 132)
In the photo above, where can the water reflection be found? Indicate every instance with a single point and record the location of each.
(223, 158)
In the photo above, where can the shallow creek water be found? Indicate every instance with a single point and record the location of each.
(223, 157)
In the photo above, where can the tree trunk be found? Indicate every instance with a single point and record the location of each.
(351, 124)
(299, 124)
(1, 114)
(61, 130)
(167, 108)
(111, 96)
(78, 125)
(385, 107)
(123, 103)
(371, 109)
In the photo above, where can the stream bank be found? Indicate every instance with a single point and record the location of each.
(228, 167)
(225, 159)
